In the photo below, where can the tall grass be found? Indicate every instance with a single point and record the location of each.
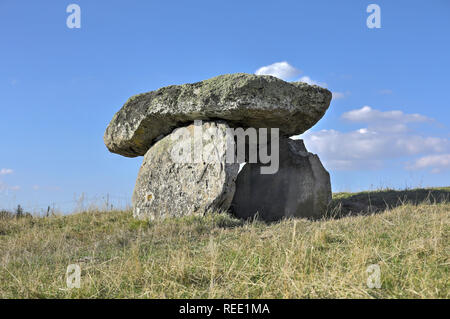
(217, 256)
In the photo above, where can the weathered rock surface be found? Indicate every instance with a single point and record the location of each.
(243, 100)
(300, 188)
(176, 180)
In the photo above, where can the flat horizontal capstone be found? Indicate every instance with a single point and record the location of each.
(242, 100)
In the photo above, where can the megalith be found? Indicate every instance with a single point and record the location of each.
(300, 188)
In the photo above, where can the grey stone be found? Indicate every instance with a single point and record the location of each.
(243, 100)
(178, 178)
(300, 188)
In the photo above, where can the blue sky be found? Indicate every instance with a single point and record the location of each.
(388, 125)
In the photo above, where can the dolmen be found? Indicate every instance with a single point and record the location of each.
(223, 145)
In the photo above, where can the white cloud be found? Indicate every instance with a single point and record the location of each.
(310, 81)
(369, 147)
(6, 188)
(3, 186)
(437, 163)
(6, 171)
(338, 95)
(282, 70)
(385, 92)
(285, 71)
(368, 115)
(46, 188)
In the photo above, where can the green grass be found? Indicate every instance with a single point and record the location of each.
(217, 256)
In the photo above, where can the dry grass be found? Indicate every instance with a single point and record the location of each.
(217, 256)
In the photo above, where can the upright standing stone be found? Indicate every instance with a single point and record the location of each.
(186, 173)
(300, 188)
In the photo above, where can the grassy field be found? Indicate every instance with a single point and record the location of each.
(405, 233)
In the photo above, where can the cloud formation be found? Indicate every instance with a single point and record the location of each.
(3, 186)
(368, 115)
(437, 163)
(387, 136)
(385, 92)
(6, 171)
(282, 70)
(310, 81)
(338, 95)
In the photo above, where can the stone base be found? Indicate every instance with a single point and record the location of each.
(173, 183)
(300, 188)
